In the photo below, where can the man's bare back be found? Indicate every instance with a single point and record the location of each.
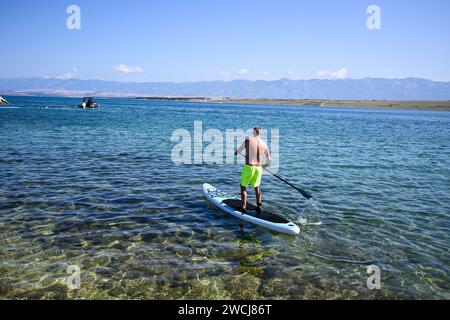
(255, 149)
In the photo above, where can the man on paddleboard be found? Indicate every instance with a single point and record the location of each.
(255, 148)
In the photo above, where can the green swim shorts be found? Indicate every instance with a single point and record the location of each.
(251, 174)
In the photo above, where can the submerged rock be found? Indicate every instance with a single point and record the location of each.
(3, 101)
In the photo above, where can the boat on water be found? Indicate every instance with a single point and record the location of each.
(3, 101)
(88, 103)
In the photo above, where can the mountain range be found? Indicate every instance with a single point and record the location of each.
(337, 89)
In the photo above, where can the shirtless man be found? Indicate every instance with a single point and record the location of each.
(255, 148)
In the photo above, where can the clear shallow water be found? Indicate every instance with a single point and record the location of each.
(97, 188)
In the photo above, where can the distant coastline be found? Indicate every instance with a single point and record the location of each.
(430, 105)
(364, 104)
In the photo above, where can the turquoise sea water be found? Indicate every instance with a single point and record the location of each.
(98, 189)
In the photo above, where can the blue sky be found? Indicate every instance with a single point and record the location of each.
(194, 40)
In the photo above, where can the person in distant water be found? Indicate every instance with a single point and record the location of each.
(255, 148)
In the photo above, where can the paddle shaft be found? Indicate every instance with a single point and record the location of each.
(304, 193)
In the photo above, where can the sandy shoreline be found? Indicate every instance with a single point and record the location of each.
(442, 105)
(364, 104)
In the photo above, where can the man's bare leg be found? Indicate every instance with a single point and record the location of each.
(258, 198)
(244, 197)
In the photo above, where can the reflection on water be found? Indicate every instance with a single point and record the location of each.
(96, 188)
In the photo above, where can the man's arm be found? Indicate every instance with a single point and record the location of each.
(239, 150)
(267, 153)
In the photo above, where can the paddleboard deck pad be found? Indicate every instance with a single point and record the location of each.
(232, 205)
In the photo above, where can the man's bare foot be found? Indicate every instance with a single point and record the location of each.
(242, 210)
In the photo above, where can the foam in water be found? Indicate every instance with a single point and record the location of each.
(311, 209)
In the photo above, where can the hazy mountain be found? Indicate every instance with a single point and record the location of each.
(369, 88)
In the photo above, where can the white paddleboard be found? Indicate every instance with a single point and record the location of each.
(231, 205)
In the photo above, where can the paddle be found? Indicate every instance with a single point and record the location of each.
(304, 193)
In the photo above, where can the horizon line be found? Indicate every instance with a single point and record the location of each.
(225, 81)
